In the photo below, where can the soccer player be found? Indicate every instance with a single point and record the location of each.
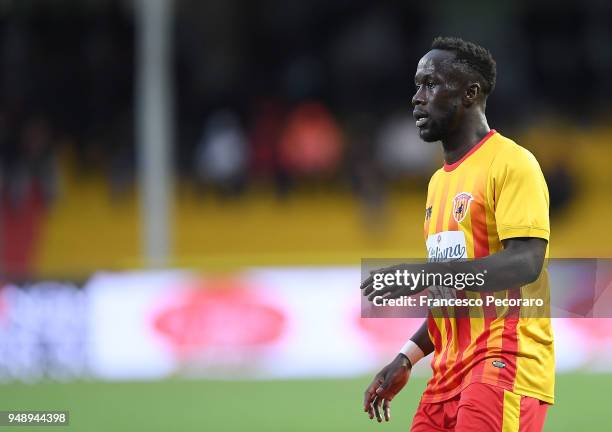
(489, 204)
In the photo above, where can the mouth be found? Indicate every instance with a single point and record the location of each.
(421, 118)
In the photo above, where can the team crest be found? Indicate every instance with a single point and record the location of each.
(461, 205)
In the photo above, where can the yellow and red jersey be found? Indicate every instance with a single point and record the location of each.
(495, 192)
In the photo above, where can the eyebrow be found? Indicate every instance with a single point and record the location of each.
(422, 76)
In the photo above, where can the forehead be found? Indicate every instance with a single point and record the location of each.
(435, 62)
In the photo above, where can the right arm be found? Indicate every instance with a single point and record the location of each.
(422, 339)
(393, 377)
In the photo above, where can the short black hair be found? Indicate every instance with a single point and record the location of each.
(477, 58)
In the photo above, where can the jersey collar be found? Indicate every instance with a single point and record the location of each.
(454, 165)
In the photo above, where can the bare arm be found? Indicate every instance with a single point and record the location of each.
(422, 339)
(519, 263)
(392, 378)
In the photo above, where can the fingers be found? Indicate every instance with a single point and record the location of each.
(370, 395)
(368, 398)
(367, 287)
(370, 411)
(376, 405)
(386, 290)
(367, 291)
(368, 281)
(384, 390)
(392, 292)
(387, 409)
(373, 399)
(380, 398)
(399, 292)
(383, 292)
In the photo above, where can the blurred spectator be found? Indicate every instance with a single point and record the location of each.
(39, 156)
(222, 154)
(266, 130)
(311, 146)
(368, 57)
(73, 63)
(554, 146)
(367, 179)
(400, 151)
(28, 159)
(560, 186)
(29, 182)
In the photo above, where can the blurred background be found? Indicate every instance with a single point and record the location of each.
(187, 189)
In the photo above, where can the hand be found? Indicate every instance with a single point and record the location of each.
(392, 290)
(367, 286)
(386, 384)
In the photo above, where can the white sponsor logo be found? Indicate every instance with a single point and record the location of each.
(446, 246)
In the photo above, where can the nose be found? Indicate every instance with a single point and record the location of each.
(418, 98)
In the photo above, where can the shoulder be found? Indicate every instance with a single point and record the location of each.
(434, 178)
(509, 156)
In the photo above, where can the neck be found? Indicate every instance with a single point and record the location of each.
(461, 141)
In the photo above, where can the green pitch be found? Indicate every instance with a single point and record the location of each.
(583, 403)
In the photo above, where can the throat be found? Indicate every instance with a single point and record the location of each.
(452, 155)
(455, 149)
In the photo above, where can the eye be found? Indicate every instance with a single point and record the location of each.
(430, 84)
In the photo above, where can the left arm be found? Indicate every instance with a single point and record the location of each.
(519, 263)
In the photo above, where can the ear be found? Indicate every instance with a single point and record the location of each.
(472, 93)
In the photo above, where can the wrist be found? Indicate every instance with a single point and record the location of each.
(405, 361)
(412, 352)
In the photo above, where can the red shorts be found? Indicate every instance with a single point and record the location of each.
(483, 408)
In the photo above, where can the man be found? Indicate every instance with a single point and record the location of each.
(486, 212)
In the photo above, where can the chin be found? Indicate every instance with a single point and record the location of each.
(428, 136)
